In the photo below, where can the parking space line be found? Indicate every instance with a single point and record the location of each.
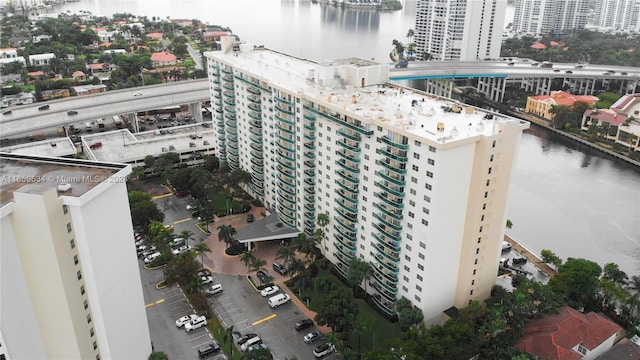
(200, 345)
(181, 306)
(264, 319)
(181, 221)
(170, 291)
(198, 337)
(154, 303)
(178, 301)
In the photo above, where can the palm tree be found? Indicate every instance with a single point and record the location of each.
(202, 248)
(410, 34)
(186, 235)
(296, 266)
(226, 234)
(257, 265)
(359, 270)
(634, 300)
(322, 221)
(138, 173)
(305, 245)
(247, 258)
(285, 253)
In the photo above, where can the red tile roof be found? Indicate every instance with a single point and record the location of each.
(625, 101)
(554, 336)
(155, 35)
(163, 57)
(98, 66)
(607, 116)
(538, 46)
(78, 73)
(564, 98)
(36, 73)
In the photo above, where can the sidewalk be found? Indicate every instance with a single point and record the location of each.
(531, 257)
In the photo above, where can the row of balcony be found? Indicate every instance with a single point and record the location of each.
(388, 221)
(389, 199)
(398, 155)
(387, 291)
(338, 119)
(395, 190)
(386, 306)
(387, 231)
(393, 165)
(349, 155)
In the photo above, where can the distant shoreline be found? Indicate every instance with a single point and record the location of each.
(346, 4)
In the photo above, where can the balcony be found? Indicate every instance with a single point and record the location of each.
(310, 127)
(288, 205)
(254, 115)
(310, 164)
(257, 171)
(256, 149)
(231, 124)
(228, 85)
(386, 306)
(287, 129)
(351, 245)
(254, 91)
(309, 145)
(310, 182)
(256, 139)
(309, 117)
(348, 145)
(348, 176)
(287, 216)
(389, 211)
(387, 231)
(388, 221)
(257, 162)
(397, 155)
(386, 264)
(229, 94)
(386, 274)
(385, 291)
(309, 137)
(344, 251)
(255, 131)
(396, 191)
(289, 139)
(349, 235)
(310, 208)
(396, 179)
(311, 217)
(286, 146)
(393, 166)
(347, 195)
(309, 190)
(288, 165)
(350, 134)
(308, 223)
(310, 174)
(349, 155)
(389, 199)
(388, 254)
(349, 166)
(350, 210)
(283, 101)
(254, 99)
(353, 189)
(286, 180)
(343, 269)
(338, 119)
(285, 119)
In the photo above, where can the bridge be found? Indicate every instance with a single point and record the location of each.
(491, 78)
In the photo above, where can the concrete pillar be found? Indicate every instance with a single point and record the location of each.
(196, 111)
(134, 122)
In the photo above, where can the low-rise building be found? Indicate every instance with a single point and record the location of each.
(18, 99)
(41, 59)
(88, 89)
(621, 121)
(163, 59)
(569, 335)
(541, 105)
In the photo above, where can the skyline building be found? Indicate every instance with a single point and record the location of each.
(69, 280)
(544, 17)
(460, 30)
(618, 15)
(415, 185)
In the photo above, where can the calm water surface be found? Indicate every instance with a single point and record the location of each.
(570, 200)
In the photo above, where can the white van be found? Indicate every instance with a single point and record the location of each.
(256, 340)
(100, 123)
(278, 300)
(214, 289)
(88, 126)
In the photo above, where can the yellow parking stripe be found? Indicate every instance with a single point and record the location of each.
(265, 319)
(161, 196)
(154, 303)
(181, 221)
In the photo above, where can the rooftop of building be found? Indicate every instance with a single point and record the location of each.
(124, 146)
(411, 112)
(59, 147)
(39, 174)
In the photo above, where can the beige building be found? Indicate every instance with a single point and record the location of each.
(69, 279)
(416, 186)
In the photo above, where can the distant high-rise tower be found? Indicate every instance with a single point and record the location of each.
(543, 17)
(620, 15)
(462, 30)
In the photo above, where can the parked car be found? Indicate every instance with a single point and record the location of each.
(322, 350)
(195, 324)
(250, 218)
(210, 348)
(185, 319)
(207, 279)
(278, 267)
(269, 290)
(95, 145)
(214, 289)
(204, 272)
(137, 94)
(152, 257)
(256, 347)
(181, 250)
(303, 324)
(506, 246)
(519, 260)
(261, 275)
(312, 336)
(243, 339)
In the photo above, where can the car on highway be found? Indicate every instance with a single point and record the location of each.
(312, 336)
(72, 112)
(137, 94)
(244, 338)
(195, 324)
(185, 319)
(303, 324)
(209, 349)
(323, 350)
(43, 107)
(270, 290)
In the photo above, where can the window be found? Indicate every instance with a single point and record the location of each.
(414, 180)
(470, 292)
(409, 237)
(493, 144)
(411, 215)
(582, 349)
(79, 275)
(489, 170)
(429, 174)
(477, 251)
(410, 226)
(423, 245)
(427, 186)
(95, 346)
(420, 266)
(86, 304)
(432, 149)
(417, 143)
(408, 247)
(68, 227)
(415, 168)
(421, 256)
(491, 158)
(488, 182)
(366, 157)
(425, 222)
(479, 239)
(486, 194)
(431, 162)
(405, 278)
(82, 290)
(425, 210)
(475, 262)
(482, 218)
(484, 206)
(474, 271)
(480, 228)
(366, 146)
(417, 298)
(427, 198)
(419, 277)
(404, 288)
(65, 209)
(406, 268)
(419, 288)
(412, 203)
(416, 156)
(75, 259)
(406, 257)
(412, 191)
(91, 332)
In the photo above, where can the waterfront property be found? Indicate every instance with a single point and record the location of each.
(415, 185)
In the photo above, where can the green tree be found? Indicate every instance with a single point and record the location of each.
(181, 269)
(359, 271)
(257, 265)
(611, 271)
(144, 213)
(634, 299)
(285, 253)
(158, 355)
(187, 236)
(550, 257)
(337, 309)
(408, 314)
(202, 248)
(305, 245)
(577, 280)
(296, 267)
(226, 234)
(247, 258)
(322, 221)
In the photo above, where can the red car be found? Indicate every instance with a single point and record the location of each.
(95, 145)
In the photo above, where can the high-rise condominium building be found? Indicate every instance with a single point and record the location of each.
(619, 15)
(414, 185)
(543, 17)
(465, 30)
(69, 280)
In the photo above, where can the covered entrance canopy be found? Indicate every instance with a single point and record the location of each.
(267, 228)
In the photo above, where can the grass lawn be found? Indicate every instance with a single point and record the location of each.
(220, 202)
(378, 332)
(218, 331)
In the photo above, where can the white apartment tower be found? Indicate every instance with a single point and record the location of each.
(416, 186)
(69, 280)
(619, 15)
(464, 30)
(543, 17)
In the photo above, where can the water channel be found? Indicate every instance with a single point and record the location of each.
(565, 197)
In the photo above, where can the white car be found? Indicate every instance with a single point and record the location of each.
(149, 259)
(137, 94)
(207, 279)
(181, 250)
(195, 324)
(185, 319)
(312, 336)
(269, 290)
(322, 350)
